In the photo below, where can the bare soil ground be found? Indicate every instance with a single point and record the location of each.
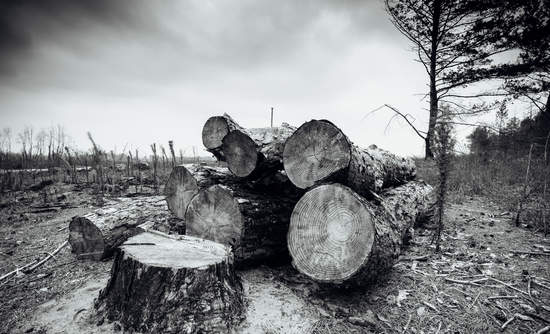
(475, 285)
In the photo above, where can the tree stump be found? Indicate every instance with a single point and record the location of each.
(97, 234)
(254, 223)
(164, 284)
(256, 152)
(336, 236)
(319, 152)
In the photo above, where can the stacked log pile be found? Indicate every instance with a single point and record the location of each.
(338, 212)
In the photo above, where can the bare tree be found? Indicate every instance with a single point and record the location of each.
(25, 138)
(41, 142)
(6, 139)
(439, 32)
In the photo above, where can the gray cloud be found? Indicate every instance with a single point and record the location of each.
(160, 68)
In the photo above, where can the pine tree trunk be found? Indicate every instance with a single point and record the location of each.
(253, 221)
(319, 152)
(256, 152)
(336, 236)
(97, 234)
(164, 284)
(185, 182)
(214, 130)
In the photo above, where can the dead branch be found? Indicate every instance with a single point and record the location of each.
(404, 116)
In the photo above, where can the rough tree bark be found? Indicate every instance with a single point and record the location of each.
(214, 130)
(253, 222)
(256, 152)
(186, 181)
(97, 234)
(166, 284)
(336, 236)
(318, 152)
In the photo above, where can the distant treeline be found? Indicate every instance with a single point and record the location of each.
(513, 138)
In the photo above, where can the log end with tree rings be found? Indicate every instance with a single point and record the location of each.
(213, 132)
(214, 214)
(166, 284)
(180, 188)
(240, 152)
(317, 150)
(86, 239)
(331, 233)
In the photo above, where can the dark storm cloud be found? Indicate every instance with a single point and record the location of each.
(24, 23)
(218, 33)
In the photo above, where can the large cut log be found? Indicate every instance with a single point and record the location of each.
(336, 236)
(319, 152)
(214, 130)
(254, 223)
(185, 181)
(255, 152)
(97, 234)
(166, 284)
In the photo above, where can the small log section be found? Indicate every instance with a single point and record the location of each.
(336, 236)
(97, 234)
(214, 130)
(254, 223)
(256, 152)
(166, 284)
(179, 190)
(319, 152)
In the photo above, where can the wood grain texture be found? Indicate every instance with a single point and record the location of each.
(180, 188)
(256, 152)
(214, 130)
(163, 284)
(319, 152)
(336, 236)
(252, 221)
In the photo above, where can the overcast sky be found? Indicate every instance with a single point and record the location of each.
(139, 72)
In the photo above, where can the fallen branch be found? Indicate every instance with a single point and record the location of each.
(530, 253)
(407, 324)
(502, 297)
(50, 255)
(474, 282)
(508, 285)
(430, 306)
(13, 272)
(541, 285)
(414, 258)
(504, 325)
(544, 330)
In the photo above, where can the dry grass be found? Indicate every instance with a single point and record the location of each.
(501, 179)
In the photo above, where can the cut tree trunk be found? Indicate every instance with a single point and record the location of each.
(97, 234)
(336, 236)
(254, 223)
(180, 188)
(319, 152)
(166, 284)
(186, 181)
(256, 152)
(214, 130)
